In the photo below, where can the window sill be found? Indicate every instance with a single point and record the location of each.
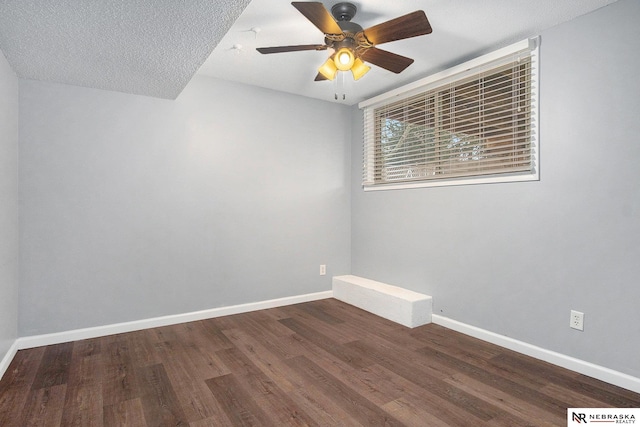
(453, 182)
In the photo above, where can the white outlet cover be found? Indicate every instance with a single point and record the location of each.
(577, 320)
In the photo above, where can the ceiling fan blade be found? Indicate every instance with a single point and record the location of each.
(387, 60)
(410, 25)
(318, 15)
(296, 48)
(319, 78)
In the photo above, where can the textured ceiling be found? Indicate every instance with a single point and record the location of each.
(462, 30)
(147, 47)
(154, 47)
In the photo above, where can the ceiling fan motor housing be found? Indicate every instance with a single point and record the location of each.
(347, 39)
(343, 12)
(349, 27)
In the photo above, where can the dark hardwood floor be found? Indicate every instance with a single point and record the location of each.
(319, 363)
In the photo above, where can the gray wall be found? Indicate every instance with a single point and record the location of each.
(516, 258)
(8, 206)
(134, 207)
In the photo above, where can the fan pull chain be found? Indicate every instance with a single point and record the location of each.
(338, 86)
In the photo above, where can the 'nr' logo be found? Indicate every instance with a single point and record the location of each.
(579, 418)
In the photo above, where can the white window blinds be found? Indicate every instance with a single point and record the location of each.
(478, 122)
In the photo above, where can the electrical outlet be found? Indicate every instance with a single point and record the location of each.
(577, 320)
(323, 269)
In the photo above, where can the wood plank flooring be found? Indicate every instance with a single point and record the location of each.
(322, 363)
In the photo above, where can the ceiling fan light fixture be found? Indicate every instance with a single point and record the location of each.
(344, 59)
(328, 69)
(359, 69)
(351, 42)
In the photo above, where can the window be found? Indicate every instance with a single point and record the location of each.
(474, 123)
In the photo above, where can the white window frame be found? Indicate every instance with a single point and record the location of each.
(469, 68)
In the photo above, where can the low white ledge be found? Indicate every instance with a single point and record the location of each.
(397, 304)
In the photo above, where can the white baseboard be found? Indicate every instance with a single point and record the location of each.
(6, 360)
(605, 374)
(118, 328)
(586, 368)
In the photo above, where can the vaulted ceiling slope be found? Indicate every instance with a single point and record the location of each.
(145, 47)
(154, 47)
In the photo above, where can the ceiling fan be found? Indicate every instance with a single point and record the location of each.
(351, 44)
